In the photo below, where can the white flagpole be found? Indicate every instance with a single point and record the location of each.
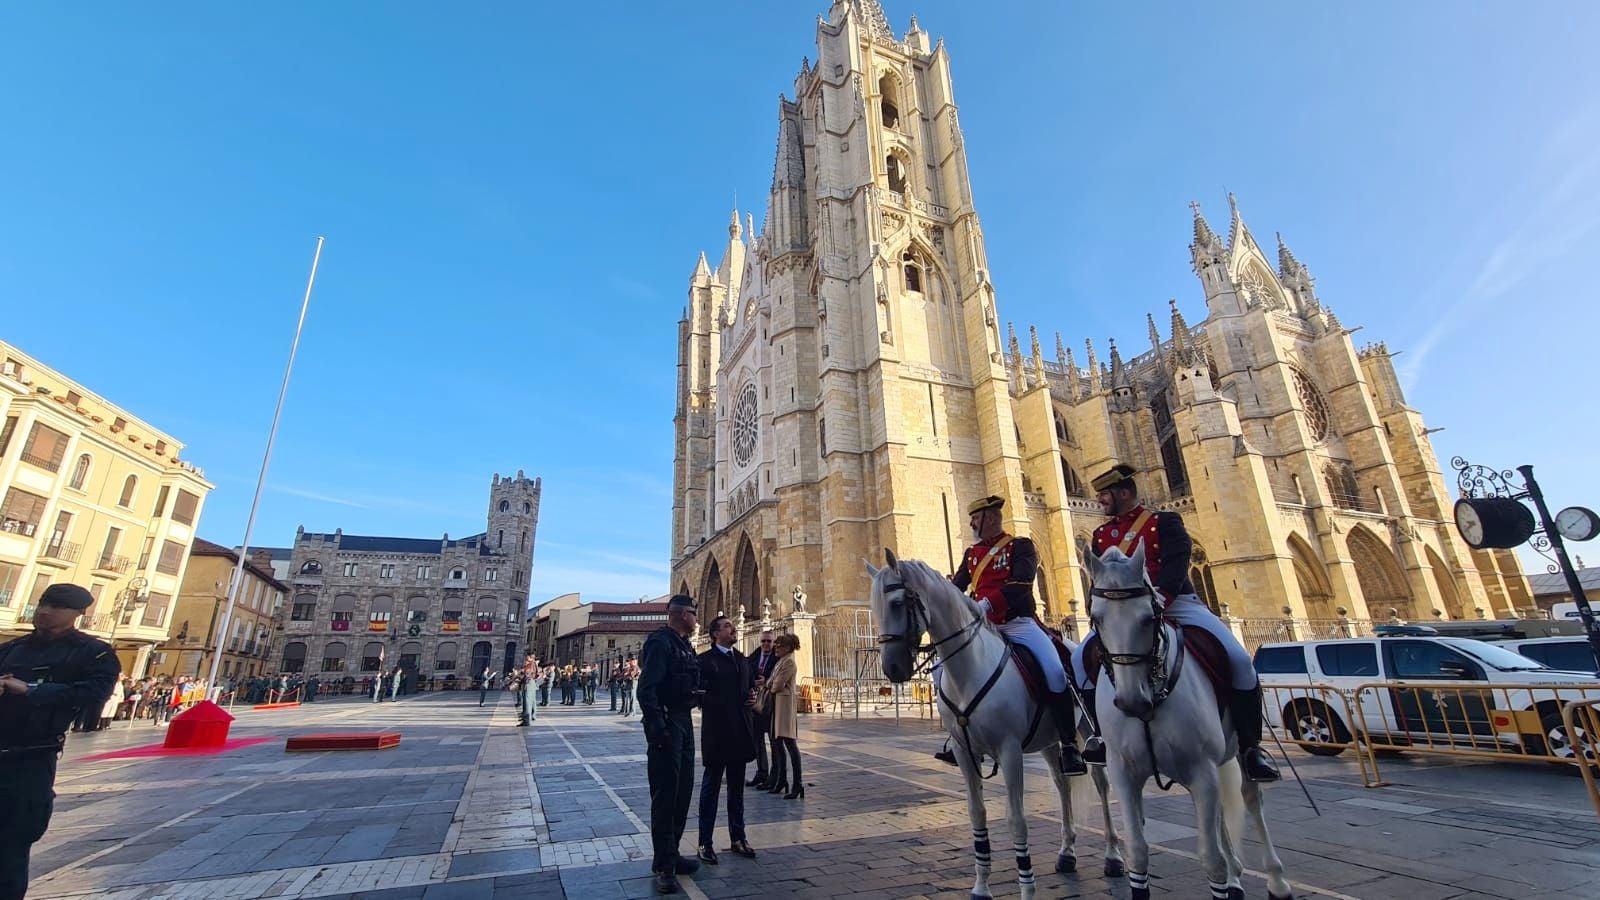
(261, 480)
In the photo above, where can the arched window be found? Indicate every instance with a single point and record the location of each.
(444, 657)
(482, 652)
(381, 611)
(311, 567)
(410, 655)
(80, 472)
(913, 272)
(1161, 412)
(129, 488)
(1070, 478)
(888, 104)
(1342, 486)
(505, 505)
(1062, 434)
(417, 610)
(458, 574)
(333, 657)
(897, 174)
(1172, 461)
(372, 656)
(294, 657)
(344, 610)
(527, 508)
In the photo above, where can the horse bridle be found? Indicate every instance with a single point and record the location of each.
(1156, 657)
(918, 623)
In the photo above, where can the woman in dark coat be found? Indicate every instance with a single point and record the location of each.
(727, 735)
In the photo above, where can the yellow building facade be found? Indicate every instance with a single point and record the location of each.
(201, 618)
(93, 496)
(846, 383)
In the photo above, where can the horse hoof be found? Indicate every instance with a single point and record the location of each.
(1115, 868)
(1141, 893)
(1066, 863)
(1272, 896)
(1236, 893)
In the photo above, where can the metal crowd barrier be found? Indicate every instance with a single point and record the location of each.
(1503, 722)
(1583, 720)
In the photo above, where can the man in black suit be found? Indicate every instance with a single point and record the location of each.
(727, 736)
(763, 661)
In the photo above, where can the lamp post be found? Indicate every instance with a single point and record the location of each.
(135, 595)
(1490, 515)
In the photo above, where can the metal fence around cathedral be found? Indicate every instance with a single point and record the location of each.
(846, 670)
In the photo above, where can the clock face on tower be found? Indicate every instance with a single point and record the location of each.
(745, 423)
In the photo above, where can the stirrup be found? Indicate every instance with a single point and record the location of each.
(1258, 766)
(1094, 751)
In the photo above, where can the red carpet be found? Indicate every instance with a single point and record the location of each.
(162, 750)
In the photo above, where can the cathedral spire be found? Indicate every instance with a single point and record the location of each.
(1182, 341)
(1070, 366)
(1155, 336)
(1236, 224)
(1038, 357)
(735, 229)
(702, 269)
(1094, 367)
(1119, 372)
(1204, 237)
(1287, 264)
(1017, 380)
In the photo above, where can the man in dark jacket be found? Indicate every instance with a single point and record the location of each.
(763, 661)
(727, 736)
(46, 679)
(669, 687)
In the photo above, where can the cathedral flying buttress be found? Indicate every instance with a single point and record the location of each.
(844, 387)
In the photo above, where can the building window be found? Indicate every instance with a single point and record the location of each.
(896, 173)
(378, 616)
(424, 572)
(184, 510)
(22, 512)
(1172, 461)
(9, 576)
(129, 487)
(444, 657)
(887, 106)
(386, 570)
(913, 271)
(372, 657)
(500, 539)
(417, 617)
(161, 502)
(491, 574)
(527, 508)
(351, 569)
(485, 621)
(522, 545)
(6, 431)
(311, 567)
(1312, 401)
(58, 547)
(304, 609)
(294, 657)
(450, 621)
(46, 447)
(144, 555)
(333, 657)
(458, 574)
(80, 472)
(155, 612)
(171, 557)
(505, 505)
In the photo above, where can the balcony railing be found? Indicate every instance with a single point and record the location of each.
(43, 462)
(18, 526)
(64, 551)
(1355, 502)
(113, 563)
(5, 598)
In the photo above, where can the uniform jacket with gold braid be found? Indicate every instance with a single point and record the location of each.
(1166, 547)
(1007, 582)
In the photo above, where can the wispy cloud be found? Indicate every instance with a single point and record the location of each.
(569, 550)
(313, 495)
(1564, 180)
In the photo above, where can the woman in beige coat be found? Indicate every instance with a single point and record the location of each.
(781, 693)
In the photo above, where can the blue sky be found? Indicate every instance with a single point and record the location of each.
(514, 197)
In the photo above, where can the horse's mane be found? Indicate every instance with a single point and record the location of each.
(926, 580)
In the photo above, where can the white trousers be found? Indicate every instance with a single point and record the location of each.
(1188, 611)
(1026, 631)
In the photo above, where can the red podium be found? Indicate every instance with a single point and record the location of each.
(202, 725)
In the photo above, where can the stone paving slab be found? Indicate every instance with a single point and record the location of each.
(472, 806)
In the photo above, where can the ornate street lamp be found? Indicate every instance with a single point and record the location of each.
(1491, 515)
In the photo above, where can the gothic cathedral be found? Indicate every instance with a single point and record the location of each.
(844, 386)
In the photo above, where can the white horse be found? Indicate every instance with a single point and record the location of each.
(984, 705)
(1155, 722)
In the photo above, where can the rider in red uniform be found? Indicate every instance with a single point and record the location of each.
(1166, 552)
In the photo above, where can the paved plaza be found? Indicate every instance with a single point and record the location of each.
(471, 806)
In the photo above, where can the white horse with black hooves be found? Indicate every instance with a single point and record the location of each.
(985, 707)
(1156, 722)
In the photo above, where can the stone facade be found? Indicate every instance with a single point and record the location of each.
(437, 607)
(246, 638)
(843, 387)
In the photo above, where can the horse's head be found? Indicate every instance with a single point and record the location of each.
(1128, 619)
(899, 615)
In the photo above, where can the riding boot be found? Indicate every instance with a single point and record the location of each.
(1094, 749)
(1066, 719)
(1256, 762)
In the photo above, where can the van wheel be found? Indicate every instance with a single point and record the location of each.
(1311, 721)
(1556, 742)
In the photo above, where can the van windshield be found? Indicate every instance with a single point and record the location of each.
(1497, 657)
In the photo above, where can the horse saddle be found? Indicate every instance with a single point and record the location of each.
(1200, 646)
(1031, 671)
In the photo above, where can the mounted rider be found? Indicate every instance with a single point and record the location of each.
(1167, 548)
(998, 572)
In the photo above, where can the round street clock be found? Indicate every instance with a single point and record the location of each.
(1577, 523)
(1493, 522)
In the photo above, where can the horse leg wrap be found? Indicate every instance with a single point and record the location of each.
(981, 849)
(1218, 891)
(1139, 882)
(1024, 864)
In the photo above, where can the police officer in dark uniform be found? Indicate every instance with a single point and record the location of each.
(669, 686)
(46, 679)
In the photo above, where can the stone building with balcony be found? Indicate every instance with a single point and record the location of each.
(844, 385)
(202, 624)
(443, 609)
(91, 495)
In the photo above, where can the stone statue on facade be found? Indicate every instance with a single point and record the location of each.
(799, 599)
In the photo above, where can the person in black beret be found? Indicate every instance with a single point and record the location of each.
(47, 679)
(669, 687)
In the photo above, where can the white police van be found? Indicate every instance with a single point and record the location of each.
(1510, 718)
